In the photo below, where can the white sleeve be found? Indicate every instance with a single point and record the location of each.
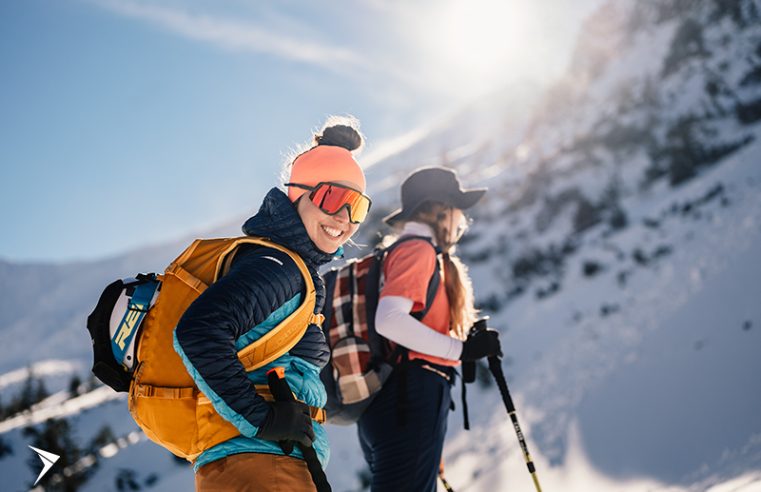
(393, 321)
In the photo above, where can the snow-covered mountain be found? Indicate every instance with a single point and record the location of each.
(44, 305)
(618, 251)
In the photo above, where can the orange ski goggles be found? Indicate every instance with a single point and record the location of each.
(332, 198)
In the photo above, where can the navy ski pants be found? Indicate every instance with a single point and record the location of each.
(406, 457)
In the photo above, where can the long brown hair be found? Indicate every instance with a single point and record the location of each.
(459, 288)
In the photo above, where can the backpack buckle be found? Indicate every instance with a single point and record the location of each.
(317, 319)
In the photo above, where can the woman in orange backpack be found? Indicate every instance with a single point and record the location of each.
(322, 208)
(402, 431)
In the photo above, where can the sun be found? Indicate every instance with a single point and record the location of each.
(474, 45)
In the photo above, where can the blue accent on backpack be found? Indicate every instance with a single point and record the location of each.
(138, 307)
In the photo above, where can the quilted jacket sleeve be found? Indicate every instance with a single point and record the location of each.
(258, 283)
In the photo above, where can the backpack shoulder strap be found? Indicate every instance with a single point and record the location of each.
(433, 283)
(287, 333)
(330, 278)
(433, 288)
(378, 345)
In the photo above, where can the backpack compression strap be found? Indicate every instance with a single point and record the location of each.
(288, 332)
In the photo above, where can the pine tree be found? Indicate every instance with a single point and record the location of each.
(104, 437)
(26, 398)
(33, 391)
(74, 385)
(127, 480)
(40, 391)
(55, 436)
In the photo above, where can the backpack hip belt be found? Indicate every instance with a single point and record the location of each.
(318, 414)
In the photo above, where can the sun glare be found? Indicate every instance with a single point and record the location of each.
(475, 45)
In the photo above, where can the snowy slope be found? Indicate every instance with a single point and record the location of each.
(617, 250)
(660, 393)
(645, 367)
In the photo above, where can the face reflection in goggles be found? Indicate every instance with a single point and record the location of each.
(332, 198)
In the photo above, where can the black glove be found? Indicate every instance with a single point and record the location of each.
(288, 421)
(483, 343)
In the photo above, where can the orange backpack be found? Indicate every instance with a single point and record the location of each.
(163, 398)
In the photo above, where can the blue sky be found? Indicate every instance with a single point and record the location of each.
(129, 122)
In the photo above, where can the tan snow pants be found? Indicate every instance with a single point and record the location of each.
(255, 472)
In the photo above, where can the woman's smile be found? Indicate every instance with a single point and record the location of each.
(332, 231)
(328, 232)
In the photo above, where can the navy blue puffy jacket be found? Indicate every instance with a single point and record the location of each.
(260, 281)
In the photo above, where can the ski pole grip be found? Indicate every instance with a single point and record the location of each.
(279, 387)
(469, 367)
(480, 325)
(281, 391)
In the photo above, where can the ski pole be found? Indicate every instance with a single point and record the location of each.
(444, 480)
(281, 391)
(495, 366)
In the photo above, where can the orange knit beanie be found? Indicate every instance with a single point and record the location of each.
(324, 163)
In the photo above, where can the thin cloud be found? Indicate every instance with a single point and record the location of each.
(237, 36)
(253, 38)
(392, 146)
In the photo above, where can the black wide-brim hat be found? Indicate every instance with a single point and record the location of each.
(433, 184)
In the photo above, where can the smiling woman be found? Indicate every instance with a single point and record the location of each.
(255, 301)
(327, 185)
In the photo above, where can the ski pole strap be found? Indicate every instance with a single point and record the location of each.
(465, 419)
(136, 311)
(281, 390)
